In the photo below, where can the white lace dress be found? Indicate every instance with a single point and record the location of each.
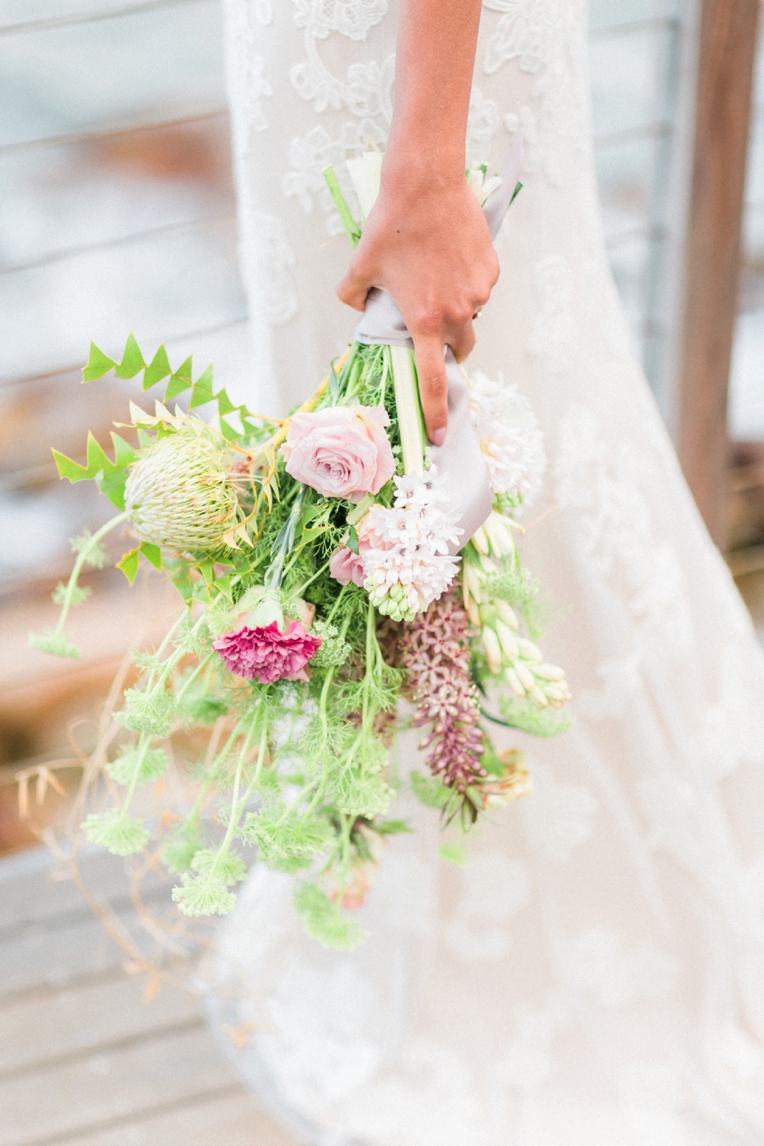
(594, 974)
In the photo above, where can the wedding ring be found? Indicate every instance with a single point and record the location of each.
(477, 313)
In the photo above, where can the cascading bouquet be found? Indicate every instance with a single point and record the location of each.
(329, 564)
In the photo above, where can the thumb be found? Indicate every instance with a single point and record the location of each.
(433, 386)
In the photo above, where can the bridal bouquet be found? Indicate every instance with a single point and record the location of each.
(325, 573)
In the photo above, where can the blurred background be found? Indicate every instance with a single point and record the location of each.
(116, 199)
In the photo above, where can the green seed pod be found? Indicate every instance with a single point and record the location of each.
(180, 494)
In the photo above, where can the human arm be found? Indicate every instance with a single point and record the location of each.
(426, 241)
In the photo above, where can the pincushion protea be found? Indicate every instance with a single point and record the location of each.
(181, 494)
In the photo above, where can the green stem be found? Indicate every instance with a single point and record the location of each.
(312, 579)
(144, 743)
(71, 584)
(190, 680)
(408, 408)
(236, 803)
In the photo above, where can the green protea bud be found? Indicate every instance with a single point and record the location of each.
(180, 494)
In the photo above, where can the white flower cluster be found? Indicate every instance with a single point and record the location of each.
(510, 436)
(481, 183)
(405, 549)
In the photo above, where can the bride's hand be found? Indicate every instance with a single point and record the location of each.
(426, 243)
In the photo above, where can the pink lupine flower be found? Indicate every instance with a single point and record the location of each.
(342, 451)
(346, 566)
(437, 661)
(265, 654)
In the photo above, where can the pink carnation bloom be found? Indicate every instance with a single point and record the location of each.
(265, 654)
(342, 451)
(346, 566)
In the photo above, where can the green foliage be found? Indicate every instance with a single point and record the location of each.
(201, 391)
(334, 650)
(230, 868)
(429, 790)
(129, 562)
(202, 895)
(142, 765)
(181, 846)
(55, 643)
(355, 794)
(151, 712)
(286, 836)
(323, 919)
(121, 834)
(91, 551)
(523, 714)
(514, 584)
(77, 594)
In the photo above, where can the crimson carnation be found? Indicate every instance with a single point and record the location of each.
(265, 654)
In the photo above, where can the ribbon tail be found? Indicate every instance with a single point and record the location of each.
(460, 459)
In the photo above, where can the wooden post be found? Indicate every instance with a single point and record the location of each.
(725, 79)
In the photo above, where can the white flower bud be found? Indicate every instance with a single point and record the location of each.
(507, 614)
(507, 640)
(529, 651)
(492, 650)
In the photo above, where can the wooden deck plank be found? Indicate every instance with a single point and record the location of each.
(64, 1100)
(97, 1015)
(225, 1120)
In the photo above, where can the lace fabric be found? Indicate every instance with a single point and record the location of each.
(594, 972)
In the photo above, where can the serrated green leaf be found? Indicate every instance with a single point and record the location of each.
(97, 365)
(175, 386)
(224, 586)
(129, 564)
(182, 581)
(225, 405)
(144, 438)
(112, 484)
(152, 553)
(158, 368)
(202, 389)
(229, 432)
(67, 468)
(124, 454)
(132, 359)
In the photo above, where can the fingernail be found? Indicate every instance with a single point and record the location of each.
(438, 437)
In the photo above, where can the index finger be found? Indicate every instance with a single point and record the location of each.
(433, 386)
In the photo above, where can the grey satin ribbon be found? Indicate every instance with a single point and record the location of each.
(460, 457)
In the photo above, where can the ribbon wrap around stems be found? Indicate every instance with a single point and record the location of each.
(460, 458)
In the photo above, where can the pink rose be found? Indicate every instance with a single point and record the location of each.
(265, 654)
(346, 566)
(342, 451)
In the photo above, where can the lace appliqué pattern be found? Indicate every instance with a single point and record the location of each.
(267, 260)
(494, 889)
(312, 79)
(533, 33)
(559, 817)
(246, 71)
(604, 489)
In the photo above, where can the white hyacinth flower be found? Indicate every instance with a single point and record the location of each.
(406, 560)
(510, 436)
